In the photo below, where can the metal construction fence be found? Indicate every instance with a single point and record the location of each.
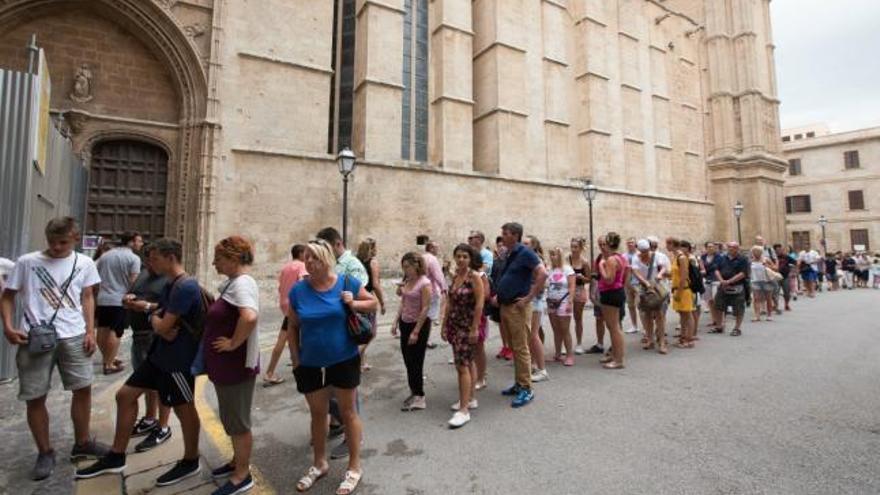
(30, 197)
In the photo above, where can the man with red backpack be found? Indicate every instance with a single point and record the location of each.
(177, 321)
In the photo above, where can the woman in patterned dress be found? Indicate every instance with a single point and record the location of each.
(461, 324)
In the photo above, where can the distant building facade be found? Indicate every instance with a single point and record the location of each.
(836, 176)
(203, 118)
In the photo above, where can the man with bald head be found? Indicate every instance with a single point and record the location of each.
(732, 273)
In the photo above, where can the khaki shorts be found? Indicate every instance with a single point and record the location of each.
(235, 403)
(35, 370)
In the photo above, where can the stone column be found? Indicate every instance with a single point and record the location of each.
(451, 72)
(500, 108)
(743, 156)
(378, 75)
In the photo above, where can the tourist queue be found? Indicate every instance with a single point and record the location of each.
(73, 305)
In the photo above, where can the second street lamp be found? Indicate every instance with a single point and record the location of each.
(822, 223)
(737, 212)
(346, 161)
(590, 191)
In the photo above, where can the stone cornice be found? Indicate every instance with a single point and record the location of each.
(451, 27)
(116, 118)
(376, 82)
(381, 5)
(271, 59)
(498, 44)
(501, 109)
(418, 167)
(455, 99)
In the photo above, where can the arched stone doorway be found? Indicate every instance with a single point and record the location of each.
(127, 189)
(164, 101)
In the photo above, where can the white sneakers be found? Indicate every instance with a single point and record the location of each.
(579, 350)
(631, 330)
(540, 375)
(414, 403)
(473, 404)
(459, 419)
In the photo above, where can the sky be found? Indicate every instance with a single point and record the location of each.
(828, 62)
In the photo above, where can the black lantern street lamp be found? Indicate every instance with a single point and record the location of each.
(346, 161)
(590, 191)
(822, 223)
(737, 212)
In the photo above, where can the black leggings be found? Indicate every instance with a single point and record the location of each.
(414, 355)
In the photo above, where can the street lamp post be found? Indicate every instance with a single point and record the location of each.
(737, 212)
(590, 192)
(822, 223)
(346, 161)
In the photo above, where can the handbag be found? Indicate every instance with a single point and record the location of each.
(652, 298)
(554, 304)
(359, 325)
(773, 275)
(42, 337)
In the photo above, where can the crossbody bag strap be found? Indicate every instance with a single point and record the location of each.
(651, 268)
(64, 288)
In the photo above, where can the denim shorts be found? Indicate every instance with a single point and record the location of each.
(35, 370)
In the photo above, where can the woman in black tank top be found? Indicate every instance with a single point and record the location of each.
(366, 253)
(581, 269)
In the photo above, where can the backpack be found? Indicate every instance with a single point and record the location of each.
(197, 328)
(695, 279)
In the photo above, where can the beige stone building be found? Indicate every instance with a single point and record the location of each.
(203, 118)
(836, 176)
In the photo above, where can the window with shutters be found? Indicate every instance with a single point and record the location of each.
(798, 204)
(800, 240)
(856, 200)
(794, 166)
(859, 238)
(851, 159)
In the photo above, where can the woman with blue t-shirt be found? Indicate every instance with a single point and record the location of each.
(324, 355)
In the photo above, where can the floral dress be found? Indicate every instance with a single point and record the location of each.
(462, 303)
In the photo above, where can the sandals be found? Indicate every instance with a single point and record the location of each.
(112, 370)
(685, 345)
(606, 359)
(350, 483)
(310, 478)
(270, 382)
(613, 365)
(735, 332)
(648, 346)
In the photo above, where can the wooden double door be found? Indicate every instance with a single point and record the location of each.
(127, 189)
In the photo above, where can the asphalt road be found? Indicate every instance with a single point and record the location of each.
(791, 407)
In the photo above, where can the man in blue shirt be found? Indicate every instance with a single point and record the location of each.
(732, 274)
(476, 240)
(167, 368)
(519, 283)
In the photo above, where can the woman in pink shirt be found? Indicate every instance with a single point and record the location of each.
(414, 325)
(613, 271)
(293, 272)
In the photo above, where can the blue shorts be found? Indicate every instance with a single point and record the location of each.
(810, 275)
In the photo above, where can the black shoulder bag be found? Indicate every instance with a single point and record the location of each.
(360, 325)
(42, 337)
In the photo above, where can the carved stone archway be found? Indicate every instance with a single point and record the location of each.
(153, 24)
